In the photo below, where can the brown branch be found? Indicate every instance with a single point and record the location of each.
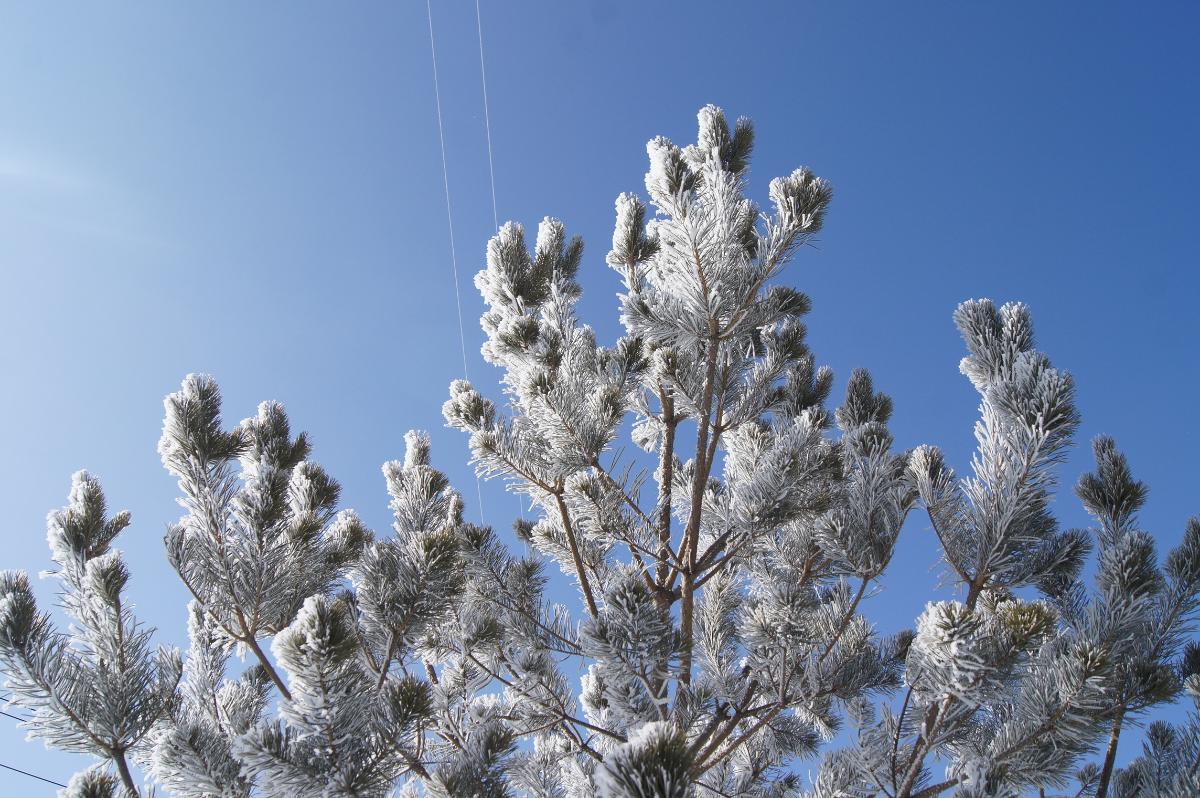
(741, 738)
(942, 540)
(573, 544)
(123, 768)
(691, 538)
(771, 710)
(572, 648)
(387, 660)
(267, 666)
(935, 789)
(666, 476)
(246, 636)
(900, 727)
(565, 720)
(634, 549)
(1110, 753)
(849, 616)
(620, 489)
(414, 763)
(576, 557)
(938, 713)
(40, 680)
(702, 748)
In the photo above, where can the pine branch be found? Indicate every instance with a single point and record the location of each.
(665, 472)
(691, 540)
(580, 571)
(565, 719)
(123, 769)
(1110, 754)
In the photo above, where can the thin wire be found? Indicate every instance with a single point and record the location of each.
(32, 775)
(487, 119)
(437, 94)
(6, 697)
(18, 770)
(462, 338)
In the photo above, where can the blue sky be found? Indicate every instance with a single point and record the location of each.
(255, 191)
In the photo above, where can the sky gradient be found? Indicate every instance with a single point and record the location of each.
(255, 191)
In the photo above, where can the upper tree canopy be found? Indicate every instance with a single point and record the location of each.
(719, 639)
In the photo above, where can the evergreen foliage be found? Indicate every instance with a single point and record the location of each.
(98, 688)
(719, 639)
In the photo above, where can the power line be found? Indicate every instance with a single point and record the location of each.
(9, 714)
(462, 338)
(18, 770)
(437, 95)
(32, 775)
(487, 120)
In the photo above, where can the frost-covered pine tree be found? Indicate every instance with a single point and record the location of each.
(1142, 613)
(1011, 687)
(1170, 762)
(718, 640)
(721, 626)
(264, 554)
(98, 688)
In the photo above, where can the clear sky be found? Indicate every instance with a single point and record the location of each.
(254, 190)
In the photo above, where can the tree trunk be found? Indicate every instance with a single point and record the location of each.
(1110, 755)
(126, 776)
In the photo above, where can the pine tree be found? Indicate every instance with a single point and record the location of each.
(724, 609)
(1170, 763)
(1142, 612)
(99, 688)
(719, 639)
(1011, 691)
